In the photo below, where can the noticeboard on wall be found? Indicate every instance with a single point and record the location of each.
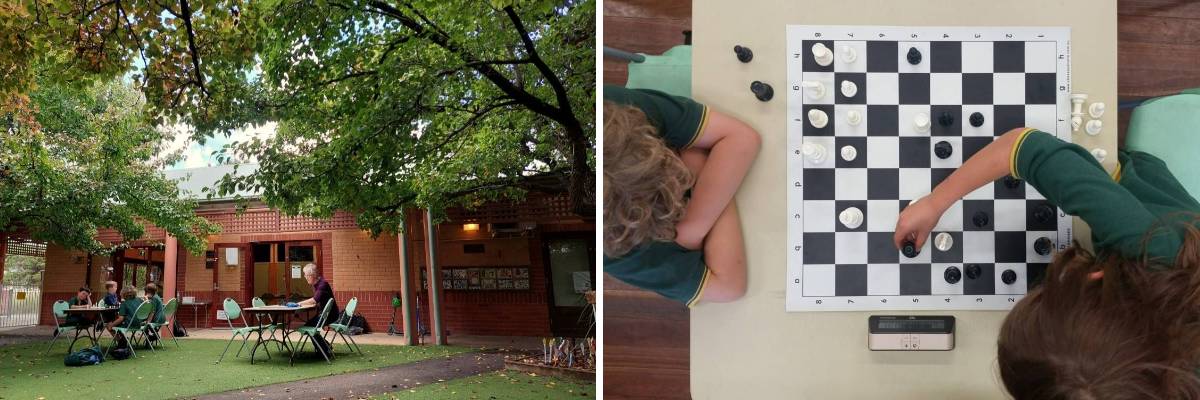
(485, 278)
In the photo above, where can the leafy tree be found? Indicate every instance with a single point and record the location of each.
(23, 270)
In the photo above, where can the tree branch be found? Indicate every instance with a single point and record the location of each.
(186, 15)
(560, 92)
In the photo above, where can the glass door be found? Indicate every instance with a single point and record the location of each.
(299, 254)
(571, 274)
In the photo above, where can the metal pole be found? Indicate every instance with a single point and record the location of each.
(406, 293)
(3, 252)
(623, 55)
(434, 278)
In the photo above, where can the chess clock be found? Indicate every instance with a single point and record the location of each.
(910, 332)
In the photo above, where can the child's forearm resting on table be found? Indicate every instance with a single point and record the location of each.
(732, 147)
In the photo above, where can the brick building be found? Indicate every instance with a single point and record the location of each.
(505, 268)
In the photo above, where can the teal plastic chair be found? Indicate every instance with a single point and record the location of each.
(272, 326)
(1169, 128)
(168, 320)
(132, 328)
(233, 312)
(342, 330)
(309, 334)
(60, 313)
(670, 72)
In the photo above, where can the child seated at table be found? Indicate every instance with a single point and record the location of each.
(83, 298)
(110, 298)
(128, 309)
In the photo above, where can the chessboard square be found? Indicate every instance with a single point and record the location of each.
(828, 129)
(851, 280)
(842, 205)
(882, 120)
(984, 284)
(885, 88)
(951, 220)
(977, 246)
(914, 183)
(860, 50)
(982, 130)
(906, 123)
(1008, 57)
(831, 156)
(882, 218)
(844, 128)
(880, 248)
(881, 56)
(1031, 254)
(883, 184)
(973, 144)
(955, 158)
(955, 116)
(1018, 286)
(859, 143)
(883, 279)
(1007, 118)
(1010, 246)
(983, 208)
(945, 88)
(952, 255)
(937, 279)
(982, 193)
(914, 280)
(1032, 193)
(819, 280)
(826, 79)
(818, 247)
(885, 152)
(1040, 89)
(850, 183)
(819, 184)
(914, 88)
(816, 216)
(902, 49)
(810, 63)
(923, 254)
(977, 57)
(1035, 273)
(1010, 215)
(1043, 117)
(1032, 223)
(945, 57)
(859, 80)
(1008, 88)
(848, 248)
(977, 88)
(1002, 191)
(938, 175)
(1041, 57)
(914, 152)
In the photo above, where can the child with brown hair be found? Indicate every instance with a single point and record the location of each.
(1122, 323)
(657, 149)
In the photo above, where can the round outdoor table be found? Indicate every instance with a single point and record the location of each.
(90, 330)
(278, 315)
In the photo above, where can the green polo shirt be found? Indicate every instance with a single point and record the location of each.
(679, 120)
(1141, 196)
(158, 309)
(129, 311)
(663, 267)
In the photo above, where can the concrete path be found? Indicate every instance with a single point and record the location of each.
(360, 385)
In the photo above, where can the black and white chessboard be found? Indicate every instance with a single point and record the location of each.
(1013, 77)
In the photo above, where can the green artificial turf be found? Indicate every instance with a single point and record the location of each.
(186, 371)
(500, 385)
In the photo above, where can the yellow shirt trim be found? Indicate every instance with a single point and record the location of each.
(1012, 157)
(700, 128)
(699, 292)
(1116, 175)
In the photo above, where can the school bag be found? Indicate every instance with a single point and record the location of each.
(84, 357)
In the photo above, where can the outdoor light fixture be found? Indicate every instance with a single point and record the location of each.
(470, 227)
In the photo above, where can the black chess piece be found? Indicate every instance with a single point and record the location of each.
(974, 271)
(980, 219)
(946, 119)
(943, 149)
(743, 53)
(1043, 245)
(1011, 183)
(976, 119)
(1008, 276)
(762, 91)
(1043, 213)
(909, 249)
(914, 56)
(952, 275)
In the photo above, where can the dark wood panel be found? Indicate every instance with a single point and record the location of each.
(649, 9)
(648, 35)
(1160, 8)
(646, 339)
(1155, 69)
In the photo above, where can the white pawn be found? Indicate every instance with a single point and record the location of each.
(849, 89)
(849, 153)
(921, 122)
(818, 118)
(1094, 126)
(1096, 110)
(1100, 154)
(943, 241)
(851, 217)
(822, 55)
(814, 152)
(853, 117)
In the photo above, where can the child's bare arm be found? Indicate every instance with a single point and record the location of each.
(732, 146)
(725, 256)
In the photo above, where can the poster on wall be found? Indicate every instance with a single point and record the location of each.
(487, 278)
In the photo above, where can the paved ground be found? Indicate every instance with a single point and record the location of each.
(364, 384)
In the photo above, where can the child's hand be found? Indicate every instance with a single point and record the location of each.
(915, 223)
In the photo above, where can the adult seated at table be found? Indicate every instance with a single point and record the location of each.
(322, 293)
(128, 309)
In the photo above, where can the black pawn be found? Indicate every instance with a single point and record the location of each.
(1043, 245)
(946, 119)
(952, 275)
(743, 53)
(943, 150)
(1043, 213)
(1011, 183)
(762, 91)
(974, 271)
(909, 249)
(1008, 276)
(976, 119)
(980, 219)
(914, 56)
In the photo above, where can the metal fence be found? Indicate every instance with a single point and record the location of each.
(19, 305)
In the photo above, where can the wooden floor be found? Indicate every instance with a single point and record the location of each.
(646, 338)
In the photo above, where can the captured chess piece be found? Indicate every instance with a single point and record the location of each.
(1008, 277)
(973, 271)
(943, 150)
(1043, 213)
(743, 53)
(909, 249)
(914, 56)
(1043, 246)
(976, 119)
(946, 119)
(980, 219)
(952, 275)
(762, 91)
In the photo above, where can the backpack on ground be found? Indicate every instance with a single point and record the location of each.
(84, 357)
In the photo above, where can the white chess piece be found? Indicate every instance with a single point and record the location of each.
(853, 117)
(943, 241)
(849, 89)
(1094, 126)
(849, 153)
(921, 122)
(1096, 110)
(814, 152)
(851, 217)
(1100, 154)
(818, 118)
(822, 55)
(1077, 100)
(814, 89)
(848, 54)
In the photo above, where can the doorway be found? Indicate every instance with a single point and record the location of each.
(137, 266)
(277, 275)
(571, 271)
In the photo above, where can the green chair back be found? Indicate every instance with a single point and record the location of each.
(350, 307)
(140, 314)
(258, 302)
(232, 309)
(324, 314)
(60, 308)
(1169, 128)
(670, 73)
(169, 308)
